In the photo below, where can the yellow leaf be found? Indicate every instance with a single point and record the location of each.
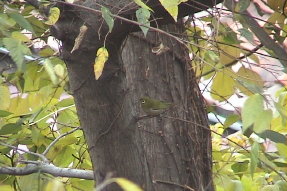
(173, 11)
(248, 81)
(54, 185)
(282, 149)
(127, 185)
(60, 71)
(171, 6)
(4, 97)
(102, 57)
(142, 5)
(14, 106)
(222, 86)
(53, 16)
(276, 5)
(254, 57)
(50, 70)
(228, 54)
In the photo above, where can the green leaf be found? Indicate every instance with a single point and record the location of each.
(281, 108)
(142, 5)
(4, 97)
(61, 145)
(253, 113)
(35, 182)
(242, 5)
(6, 22)
(248, 183)
(65, 102)
(60, 71)
(68, 140)
(143, 16)
(65, 157)
(17, 51)
(222, 86)
(282, 148)
(32, 76)
(55, 185)
(68, 116)
(275, 5)
(4, 113)
(50, 70)
(254, 157)
(228, 53)
(209, 57)
(47, 51)
(20, 36)
(127, 185)
(10, 128)
(81, 184)
(229, 185)
(273, 136)
(247, 34)
(282, 185)
(248, 81)
(39, 26)
(107, 15)
(240, 167)
(231, 119)
(27, 10)
(20, 20)
(230, 37)
(37, 138)
(270, 188)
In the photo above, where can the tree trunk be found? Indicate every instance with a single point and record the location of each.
(167, 152)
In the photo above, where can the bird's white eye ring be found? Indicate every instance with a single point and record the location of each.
(143, 101)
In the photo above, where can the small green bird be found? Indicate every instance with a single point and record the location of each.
(153, 107)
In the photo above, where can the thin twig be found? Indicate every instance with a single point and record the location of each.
(57, 139)
(61, 109)
(67, 125)
(44, 159)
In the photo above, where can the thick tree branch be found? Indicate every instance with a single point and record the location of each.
(48, 168)
(89, 12)
(260, 33)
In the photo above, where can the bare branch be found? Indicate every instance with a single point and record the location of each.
(42, 157)
(48, 168)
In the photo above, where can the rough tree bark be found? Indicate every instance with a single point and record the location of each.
(159, 153)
